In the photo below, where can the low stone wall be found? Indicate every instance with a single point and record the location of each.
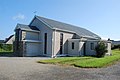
(18, 48)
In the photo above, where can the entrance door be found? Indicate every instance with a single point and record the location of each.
(45, 43)
(32, 49)
(84, 49)
(61, 49)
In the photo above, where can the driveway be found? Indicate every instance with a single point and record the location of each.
(26, 68)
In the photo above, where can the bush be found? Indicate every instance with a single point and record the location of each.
(101, 49)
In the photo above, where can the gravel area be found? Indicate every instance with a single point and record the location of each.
(26, 68)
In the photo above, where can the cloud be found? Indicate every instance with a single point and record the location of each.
(19, 17)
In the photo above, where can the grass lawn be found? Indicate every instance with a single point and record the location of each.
(85, 62)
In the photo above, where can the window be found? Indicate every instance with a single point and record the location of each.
(72, 45)
(17, 38)
(61, 43)
(92, 46)
(17, 35)
(45, 43)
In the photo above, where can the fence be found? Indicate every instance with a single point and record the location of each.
(6, 48)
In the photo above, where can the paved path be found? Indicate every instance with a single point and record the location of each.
(18, 68)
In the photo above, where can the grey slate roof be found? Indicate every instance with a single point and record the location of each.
(26, 27)
(7, 39)
(64, 26)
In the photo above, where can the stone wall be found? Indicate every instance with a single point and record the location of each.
(20, 50)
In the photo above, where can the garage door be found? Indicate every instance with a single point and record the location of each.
(32, 49)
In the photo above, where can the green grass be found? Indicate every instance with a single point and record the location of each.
(85, 62)
(5, 51)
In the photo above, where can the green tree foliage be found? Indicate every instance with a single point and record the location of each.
(101, 49)
(0, 45)
(116, 47)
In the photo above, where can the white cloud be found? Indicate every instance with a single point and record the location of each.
(19, 17)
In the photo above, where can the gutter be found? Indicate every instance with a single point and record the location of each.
(57, 29)
(30, 30)
(34, 41)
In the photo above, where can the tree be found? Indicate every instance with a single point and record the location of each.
(101, 49)
(116, 47)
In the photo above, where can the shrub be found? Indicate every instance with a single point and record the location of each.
(101, 49)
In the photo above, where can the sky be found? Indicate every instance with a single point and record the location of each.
(99, 16)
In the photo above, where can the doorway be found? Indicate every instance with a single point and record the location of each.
(45, 43)
(84, 49)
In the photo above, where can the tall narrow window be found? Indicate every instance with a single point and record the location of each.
(61, 43)
(72, 45)
(17, 35)
(45, 43)
(92, 46)
(17, 38)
